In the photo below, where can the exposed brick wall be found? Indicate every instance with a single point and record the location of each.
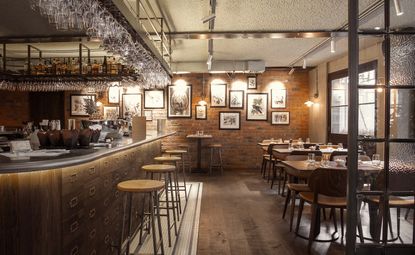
(239, 146)
(14, 108)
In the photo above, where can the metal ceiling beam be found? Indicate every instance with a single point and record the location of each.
(44, 39)
(254, 34)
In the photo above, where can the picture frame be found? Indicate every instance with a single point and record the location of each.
(218, 95)
(111, 112)
(148, 114)
(114, 95)
(79, 104)
(179, 101)
(236, 99)
(251, 82)
(278, 98)
(201, 112)
(280, 118)
(154, 99)
(257, 106)
(131, 105)
(229, 120)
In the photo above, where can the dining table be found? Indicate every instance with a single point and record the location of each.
(281, 153)
(199, 139)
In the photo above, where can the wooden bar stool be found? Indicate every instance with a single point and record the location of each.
(166, 171)
(182, 154)
(173, 160)
(150, 188)
(218, 149)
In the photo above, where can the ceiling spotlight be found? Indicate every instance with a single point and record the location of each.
(377, 28)
(398, 8)
(209, 60)
(304, 64)
(291, 71)
(209, 18)
(332, 45)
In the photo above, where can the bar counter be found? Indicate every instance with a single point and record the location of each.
(70, 204)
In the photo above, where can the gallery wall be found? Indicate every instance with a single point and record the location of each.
(240, 146)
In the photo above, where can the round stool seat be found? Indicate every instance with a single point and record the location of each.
(215, 145)
(167, 159)
(140, 185)
(176, 151)
(159, 168)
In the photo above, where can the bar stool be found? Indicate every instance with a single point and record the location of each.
(218, 149)
(166, 171)
(182, 154)
(173, 160)
(147, 187)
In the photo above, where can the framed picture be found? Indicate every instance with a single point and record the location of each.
(111, 112)
(114, 95)
(257, 106)
(229, 120)
(201, 112)
(218, 95)
(278, 98)
(179, 101)
(81, 104)
(280, 118)
(236, 99)
(131, 105)
(251, 82)
(154, 99)
(148, 114)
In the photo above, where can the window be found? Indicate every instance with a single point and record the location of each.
(339, 98)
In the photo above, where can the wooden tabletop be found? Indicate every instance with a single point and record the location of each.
(199, 136)
(303, 169)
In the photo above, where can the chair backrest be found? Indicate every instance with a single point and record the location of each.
(329, 182)
(296, 157)
(337, 153)
(273, 146)
(316, 153)
(364, 158)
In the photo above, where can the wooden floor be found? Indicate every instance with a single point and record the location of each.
(241, 215)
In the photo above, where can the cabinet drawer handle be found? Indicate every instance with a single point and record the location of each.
(93, 233)
(92, 170)
(73, 202)
(75, 250)
(106, 220)
(92, 191)
(117, 194)
(93, 252)
(92, 213)
(106, 202)
(74, 226)
(107, 239)
(73, 177)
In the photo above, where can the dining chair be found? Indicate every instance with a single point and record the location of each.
(278, 170)
(293, 188)
(265, 157)
(328, 189)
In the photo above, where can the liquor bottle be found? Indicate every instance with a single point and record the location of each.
(104, 65)
(113, 66)
(53, 64)
(69, 67)
(89, 67)
(95, 67)
(64, 67)
(100, 69)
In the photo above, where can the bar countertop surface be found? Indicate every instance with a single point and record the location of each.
(74, 157)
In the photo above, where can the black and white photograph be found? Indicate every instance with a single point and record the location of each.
(218, 95)
(114, 95)
(280, 118)
(131, 105)
(201, 112)
(111, 112)
(229, 120)
(82, 104)
(257, 106)
(179, 101)
(236, 99)
(154, 99)
(148, 114)
(278, 98)
(251, 82)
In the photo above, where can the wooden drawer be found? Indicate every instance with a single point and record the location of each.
(73, 227)
(92, 191)
(106, 165)
(90, 170)
(72, 203)
(72, 179)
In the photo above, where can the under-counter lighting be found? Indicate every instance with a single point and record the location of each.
(398, 8)
(309, 103)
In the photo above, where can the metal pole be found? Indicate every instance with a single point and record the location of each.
(353, 43)
(4, 57)
(80, 58)
(28, 59)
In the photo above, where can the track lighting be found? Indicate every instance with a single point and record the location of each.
(209, 60)
(291, 71)
(398, 8)
(209, 18)
(304, 64)
(332, 45)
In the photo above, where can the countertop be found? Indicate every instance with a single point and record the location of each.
(74, 157)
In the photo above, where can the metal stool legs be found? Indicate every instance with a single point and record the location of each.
(219, 163)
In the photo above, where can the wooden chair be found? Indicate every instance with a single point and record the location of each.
(278, 169)
(293, 189)
(328, 190)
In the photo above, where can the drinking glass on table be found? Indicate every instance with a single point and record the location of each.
(340, 146)
(307, 140)
(311, 158)
(325, 160)
(376, 159)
